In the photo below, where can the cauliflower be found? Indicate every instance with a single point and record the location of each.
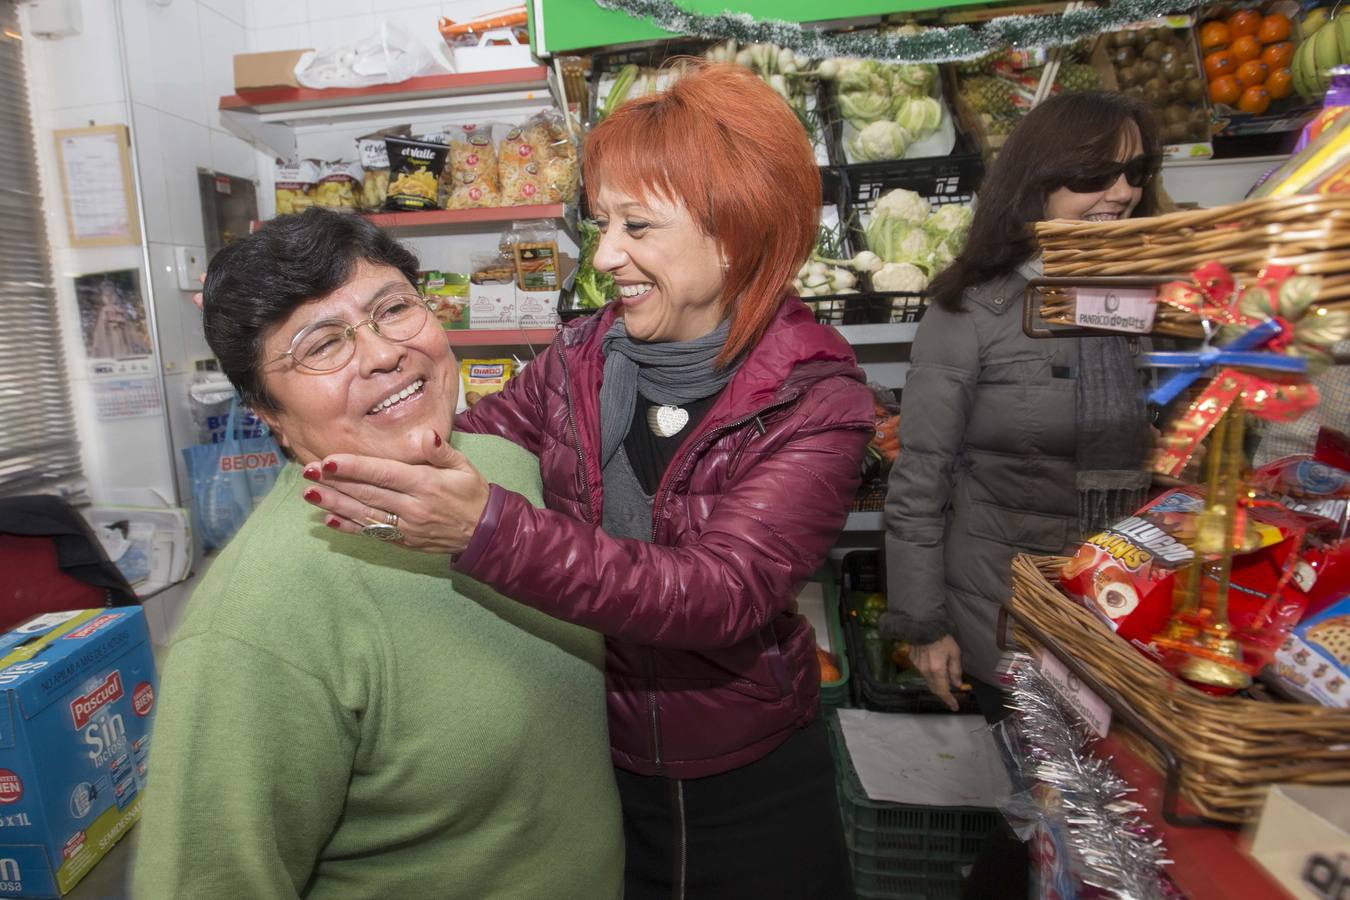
(880, 140)
(900, 277)
(896, 240)
(952, 217)
(864, 107)
(859, 76)
(901, 204)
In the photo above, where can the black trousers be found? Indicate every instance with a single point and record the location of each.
(768, 829)
(1001, 870)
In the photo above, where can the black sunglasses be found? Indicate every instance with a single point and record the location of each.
(1138, 172)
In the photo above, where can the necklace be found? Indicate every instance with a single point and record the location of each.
(667, 421)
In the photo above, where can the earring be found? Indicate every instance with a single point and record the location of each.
(725, 265)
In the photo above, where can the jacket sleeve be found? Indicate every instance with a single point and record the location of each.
(768, 532)
(935, 408)
(515, 412)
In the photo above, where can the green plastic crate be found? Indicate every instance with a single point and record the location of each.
(901, 851)
(833, 694)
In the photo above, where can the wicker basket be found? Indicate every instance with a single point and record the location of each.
(1311, 234)
(1224, 750)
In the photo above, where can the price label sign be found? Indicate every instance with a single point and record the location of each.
(1130, 310)
(1091, 708)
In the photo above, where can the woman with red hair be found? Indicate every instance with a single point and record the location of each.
(700, 439)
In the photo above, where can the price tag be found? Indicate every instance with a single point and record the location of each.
(1115, 309)
(1089, 706)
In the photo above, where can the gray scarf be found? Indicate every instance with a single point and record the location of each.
(1111, 433)
(667, 372)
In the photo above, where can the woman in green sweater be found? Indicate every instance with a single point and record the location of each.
(340, 716)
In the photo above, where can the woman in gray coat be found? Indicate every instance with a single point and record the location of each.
(1011, 444)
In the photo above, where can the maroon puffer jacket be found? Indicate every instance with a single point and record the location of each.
(708, 666)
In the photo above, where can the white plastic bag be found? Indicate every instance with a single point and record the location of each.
(386, 58)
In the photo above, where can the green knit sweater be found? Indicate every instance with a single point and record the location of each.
(344, 718)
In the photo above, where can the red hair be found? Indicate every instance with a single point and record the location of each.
(728, 148)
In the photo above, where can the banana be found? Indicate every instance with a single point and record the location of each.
(1299, 70)
(1326, 53)
(1342, 23)
(1313, 21)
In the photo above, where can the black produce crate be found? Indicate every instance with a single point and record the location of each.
(940, 180)
(868, 307)
(864, 570)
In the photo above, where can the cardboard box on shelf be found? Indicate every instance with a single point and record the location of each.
(77, 701)
(537, 309)
(266, 70)
(493, 306)
(1303, 839)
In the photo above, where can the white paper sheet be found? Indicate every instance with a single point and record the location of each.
(926, 760)
(811, 603)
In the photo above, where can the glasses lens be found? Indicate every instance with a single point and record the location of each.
(401, 317)
(1140, 170)
(1091, 182)
(324, 347)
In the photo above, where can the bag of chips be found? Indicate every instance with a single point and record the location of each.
(414, 173)
(295, 183)
(338, 187)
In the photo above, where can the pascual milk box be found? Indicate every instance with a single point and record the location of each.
(77, 699)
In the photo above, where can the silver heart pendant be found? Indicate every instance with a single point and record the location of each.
(667, 421)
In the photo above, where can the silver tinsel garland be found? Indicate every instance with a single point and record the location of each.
(1113, 850)
(935, 45)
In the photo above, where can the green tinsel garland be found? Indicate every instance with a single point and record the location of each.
(935, 45)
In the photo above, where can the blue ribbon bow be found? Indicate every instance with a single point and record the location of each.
(1241, 353)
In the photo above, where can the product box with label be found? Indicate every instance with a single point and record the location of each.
(77, 700)
(537, 309)
(493, 306)
(1315, 658)
(1303, 839)
(253, 71)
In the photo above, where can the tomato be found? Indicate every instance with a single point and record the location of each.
(1275, 27)
(1254, 100)
(1252, 73)
(1220, 62)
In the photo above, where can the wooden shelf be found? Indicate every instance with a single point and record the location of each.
(289, 99)
(505, 337)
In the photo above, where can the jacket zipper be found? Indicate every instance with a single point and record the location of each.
(682, 851)
(576, 434)
(662, 492)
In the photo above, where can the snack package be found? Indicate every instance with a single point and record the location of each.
(1315, 659)
(1315, 490)
(450, 290)
(1126, 574)
(471, 176)
(338, 187)
(492, 292)
(295, 183)
(537, 162)
(484, 376)
(373, 154)
(414, 173)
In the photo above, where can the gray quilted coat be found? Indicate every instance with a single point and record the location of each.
(986, 470)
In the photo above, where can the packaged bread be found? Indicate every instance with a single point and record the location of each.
(339, 186)
(295, 182)
(484, 376)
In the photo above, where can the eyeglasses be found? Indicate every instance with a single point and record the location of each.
(1138, 172)
(329, 345)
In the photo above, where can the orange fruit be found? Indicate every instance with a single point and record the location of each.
(1278, 56)
(1254, 100)
(1213, 36)
(1252, 73)
(1225, 89)
(1280, 84)
(1275, 27)
(1246, 21)
(1245, 48)
(1220, 62)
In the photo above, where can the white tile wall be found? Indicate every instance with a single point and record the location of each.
(149, 145)
(85, 70)
(221, 38)
(323, 24)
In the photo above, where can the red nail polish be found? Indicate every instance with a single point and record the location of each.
(311, 474)
(330, 467)
(312, 495)
(437, 436)
(332, 522)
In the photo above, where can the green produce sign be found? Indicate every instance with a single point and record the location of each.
(560, 26)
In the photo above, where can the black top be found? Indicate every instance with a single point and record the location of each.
(650, 455)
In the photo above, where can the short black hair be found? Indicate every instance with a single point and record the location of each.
(257, 281)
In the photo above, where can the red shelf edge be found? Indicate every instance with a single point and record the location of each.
(430, 218)
(493, 337)
(252, 100)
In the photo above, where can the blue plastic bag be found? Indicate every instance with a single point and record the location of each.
(229, 479)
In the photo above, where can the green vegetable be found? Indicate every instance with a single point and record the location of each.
(919, 115)
(593, 289)
(880, 140)
(623, 86)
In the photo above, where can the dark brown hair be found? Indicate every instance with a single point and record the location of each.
(1072, 132)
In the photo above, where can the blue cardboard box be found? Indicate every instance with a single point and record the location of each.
(77, 701)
